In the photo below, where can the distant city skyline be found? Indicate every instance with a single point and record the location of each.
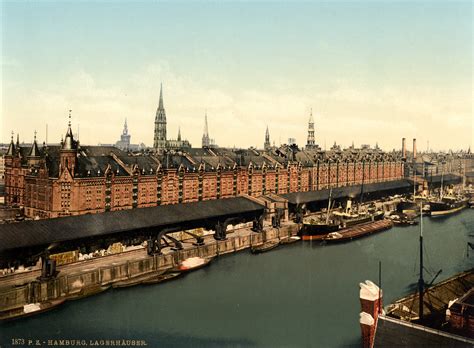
(371, 72)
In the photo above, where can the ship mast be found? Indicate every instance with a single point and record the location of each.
(421, 283)
(329, 206)
(414, 181)
(464, 175)
(442, 179)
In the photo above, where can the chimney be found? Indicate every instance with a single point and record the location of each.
(404, 148)
(367, 328)
(414, 148)
(371, 305)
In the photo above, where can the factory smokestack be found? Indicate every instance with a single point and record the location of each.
(414, 148)
(404, 148)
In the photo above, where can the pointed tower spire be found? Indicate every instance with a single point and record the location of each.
(160, 104)
(310, 142)
(69, 143)
(267, 145)
(206, 142)
(17, 145)
(159, 139)
(34, 151)
(11, 148)
(179, 133)
(125, 128)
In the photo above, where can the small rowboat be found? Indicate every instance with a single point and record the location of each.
(263, 247)
(162, 278)
(192, 264)
(88, 291)
(136, 280)
(289, 240)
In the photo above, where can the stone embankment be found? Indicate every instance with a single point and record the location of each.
(97, 274)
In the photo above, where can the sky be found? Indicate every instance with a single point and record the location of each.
(371, 72)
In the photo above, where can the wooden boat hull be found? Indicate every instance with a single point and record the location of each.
(135, 280)
(359, 231)
(317, 237)
(261, 248)
(184, 270)
(289, 240)
(435, 213)
(162, 278)
(88, 291)
(19, 313)
(406, 223)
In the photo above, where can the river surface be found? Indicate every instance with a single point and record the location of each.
(301, 295)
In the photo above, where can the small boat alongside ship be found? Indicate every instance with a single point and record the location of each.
(401, 219)
(265, 246)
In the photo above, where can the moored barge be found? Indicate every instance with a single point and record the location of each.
(358, 231)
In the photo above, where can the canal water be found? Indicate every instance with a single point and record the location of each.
(300, 295)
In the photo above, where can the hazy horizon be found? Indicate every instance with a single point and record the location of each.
(371, 72)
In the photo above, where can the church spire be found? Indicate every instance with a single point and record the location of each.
(310, 142)
(125, 128)
(159, 141)
(267, 145)
(160, 104)
(179, 133)
(206, 142)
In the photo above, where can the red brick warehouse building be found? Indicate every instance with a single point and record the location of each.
(71, 179)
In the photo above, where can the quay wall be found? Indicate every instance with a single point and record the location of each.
(64, 286)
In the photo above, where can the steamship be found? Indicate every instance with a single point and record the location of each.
(447, 205)
(315, 228)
